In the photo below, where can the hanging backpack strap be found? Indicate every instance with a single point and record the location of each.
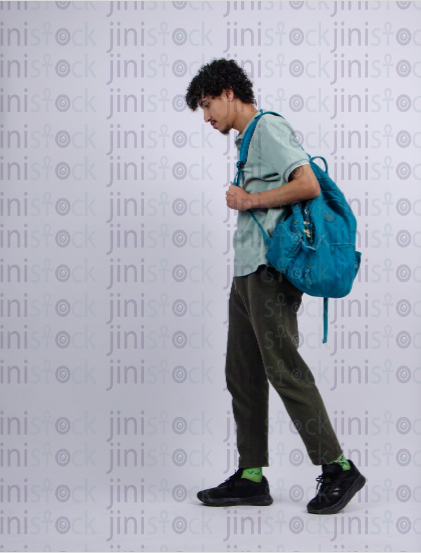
(325, 322)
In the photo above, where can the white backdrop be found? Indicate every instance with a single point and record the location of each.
(117, 261)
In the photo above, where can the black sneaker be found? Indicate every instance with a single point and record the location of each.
(337, 488)
(237, 491)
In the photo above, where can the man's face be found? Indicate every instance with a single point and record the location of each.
(216, 111)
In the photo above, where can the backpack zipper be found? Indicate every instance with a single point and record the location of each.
(310, 238)
(307, 221)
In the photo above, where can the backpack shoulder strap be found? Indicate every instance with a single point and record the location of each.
(245, 143)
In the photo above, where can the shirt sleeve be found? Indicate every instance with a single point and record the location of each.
(279, 145)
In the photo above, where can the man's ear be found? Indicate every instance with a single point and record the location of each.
(229, 92)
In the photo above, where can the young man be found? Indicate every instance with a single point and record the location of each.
(263, 304)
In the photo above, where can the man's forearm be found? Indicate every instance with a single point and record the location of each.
(283, 195)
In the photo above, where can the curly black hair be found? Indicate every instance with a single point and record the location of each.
(216, 76)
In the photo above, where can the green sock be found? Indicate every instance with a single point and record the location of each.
(255, 474)
(342, 461)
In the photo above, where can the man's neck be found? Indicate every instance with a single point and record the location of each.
(243, 118)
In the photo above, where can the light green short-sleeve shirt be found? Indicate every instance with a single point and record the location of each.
(274, 152)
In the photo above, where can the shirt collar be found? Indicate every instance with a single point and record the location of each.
(240, 135)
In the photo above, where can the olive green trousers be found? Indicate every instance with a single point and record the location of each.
(262, 348)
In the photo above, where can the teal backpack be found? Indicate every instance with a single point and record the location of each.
(315, 246)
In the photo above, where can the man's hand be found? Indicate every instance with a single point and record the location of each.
(238, 198)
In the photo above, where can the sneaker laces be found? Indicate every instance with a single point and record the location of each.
(327, 479)
(233, 478)
(323, 481)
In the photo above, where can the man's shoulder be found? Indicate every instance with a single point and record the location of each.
(272, 127)
(270, 120)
